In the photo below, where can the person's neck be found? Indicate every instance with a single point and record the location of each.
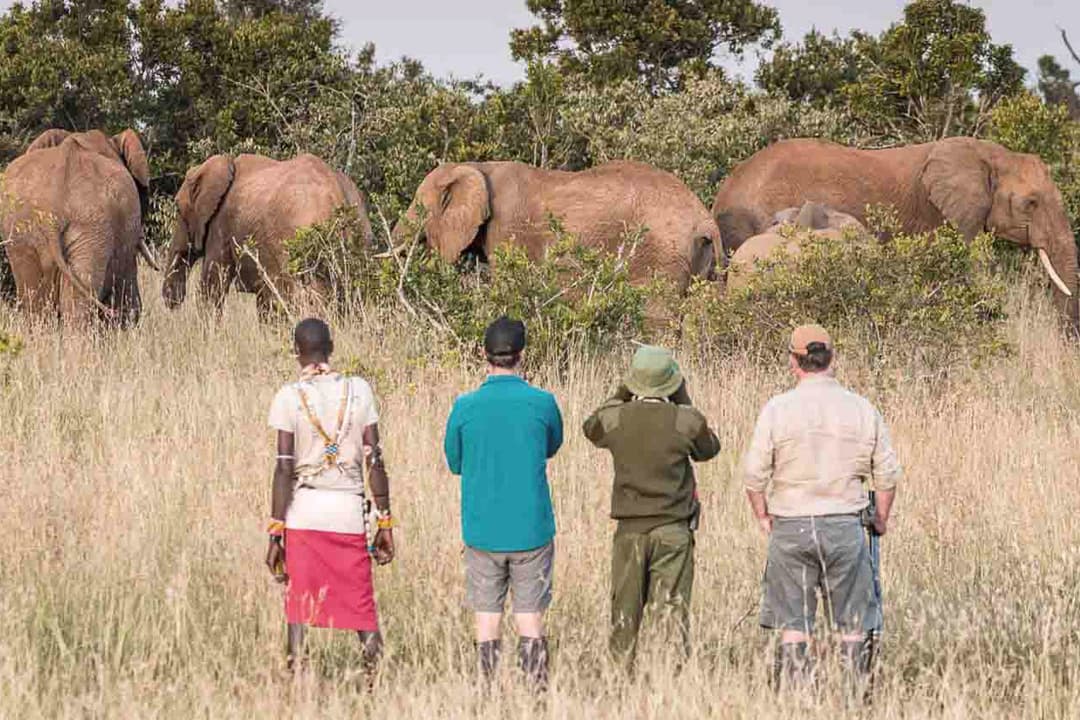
(494, 370)
(801, 374)
(306, 360)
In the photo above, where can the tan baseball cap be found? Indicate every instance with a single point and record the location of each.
(805, 335)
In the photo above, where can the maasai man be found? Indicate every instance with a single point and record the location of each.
(498, 439)
(327, 431)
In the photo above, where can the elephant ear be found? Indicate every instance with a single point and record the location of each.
(201, 196)
(462, 206)
(48, 139)
(131, 152)
(959, 182)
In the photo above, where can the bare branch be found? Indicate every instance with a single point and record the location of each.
(1065, 39)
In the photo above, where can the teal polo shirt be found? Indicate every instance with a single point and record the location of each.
(498, 439)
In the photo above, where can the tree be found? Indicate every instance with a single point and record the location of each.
(815, 71)
(65, 64)
(1056, 83)
(657, 40)
(934, 74)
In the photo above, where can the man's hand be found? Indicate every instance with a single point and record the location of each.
(275, 561)
(681, 396)
(384, 546)
(881, 524)
(765, 525)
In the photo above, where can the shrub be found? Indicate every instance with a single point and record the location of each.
(928, 299)
(574, 299)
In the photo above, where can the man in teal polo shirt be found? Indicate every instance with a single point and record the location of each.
(498, 439)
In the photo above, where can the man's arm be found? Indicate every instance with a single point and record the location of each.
(284, 471)
(554, 430)
(380, 492)
(706, 445)
(280, 499)
(452, 442)
(885, 473)
(757, 470)
(593, 427)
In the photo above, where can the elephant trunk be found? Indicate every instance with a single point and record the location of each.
(1062, 258)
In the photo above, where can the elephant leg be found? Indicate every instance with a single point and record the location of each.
(35, 289)
(216, 278)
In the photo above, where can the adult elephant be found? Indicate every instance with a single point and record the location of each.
(256, 203)
(789, 228)
(978, 185)
(71, 219)
(474, 207)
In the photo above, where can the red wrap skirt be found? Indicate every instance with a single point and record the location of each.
(329, 580)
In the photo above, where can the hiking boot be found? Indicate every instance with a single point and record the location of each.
(533, 661)
(792, 669)
(856, 658)
(487, 653)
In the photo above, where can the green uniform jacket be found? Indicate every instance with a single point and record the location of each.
(652, 443)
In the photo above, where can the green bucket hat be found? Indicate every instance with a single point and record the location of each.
(653, 373)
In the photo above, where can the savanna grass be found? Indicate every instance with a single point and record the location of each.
(137, 473)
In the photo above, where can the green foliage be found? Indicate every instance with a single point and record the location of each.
(929, 298)
(1025, 124)
(657, 41)
(575, 299)
(1058, 87)
(934, 74)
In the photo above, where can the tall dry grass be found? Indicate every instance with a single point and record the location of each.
(136, 473)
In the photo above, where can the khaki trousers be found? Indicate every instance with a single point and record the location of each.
(653, 570)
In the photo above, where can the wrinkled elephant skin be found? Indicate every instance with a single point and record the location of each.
(252, 202)
(71, 214)
(975, 184)
(474, 207)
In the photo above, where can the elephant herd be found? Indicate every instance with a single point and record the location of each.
(72, 209)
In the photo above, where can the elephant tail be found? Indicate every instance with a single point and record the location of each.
(57, 248)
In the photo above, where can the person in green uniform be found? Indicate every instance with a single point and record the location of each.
(653, 433)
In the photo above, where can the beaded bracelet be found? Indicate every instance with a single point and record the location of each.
(276, 527)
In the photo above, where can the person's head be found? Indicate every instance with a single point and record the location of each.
(811, 351)
(312, 341)
(504, 342)
(653, 373)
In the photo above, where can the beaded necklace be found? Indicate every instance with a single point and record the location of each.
(331, 445)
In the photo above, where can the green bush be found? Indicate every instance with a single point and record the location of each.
(928, 299)
(575, 299)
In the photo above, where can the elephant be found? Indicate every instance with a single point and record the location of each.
(789, 227)
(258, 203)
(470, 208)
(976, 184)
(71, 210)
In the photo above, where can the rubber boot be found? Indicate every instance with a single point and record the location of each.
(487, 653)
(856, 658)
(791, 666)
(533, 661)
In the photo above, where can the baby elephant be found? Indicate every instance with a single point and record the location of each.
(811, 217)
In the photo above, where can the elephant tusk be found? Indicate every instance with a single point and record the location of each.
(392, 252)
(148, 255)
(1054, 277)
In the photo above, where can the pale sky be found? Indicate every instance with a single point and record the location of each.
(470, 37)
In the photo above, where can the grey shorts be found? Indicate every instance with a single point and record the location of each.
(828, 554)
(527, 575)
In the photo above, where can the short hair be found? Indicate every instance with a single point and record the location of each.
(818, 358)
(312, 337)
(505, 362)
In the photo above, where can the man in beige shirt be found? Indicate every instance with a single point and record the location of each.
(812, 450)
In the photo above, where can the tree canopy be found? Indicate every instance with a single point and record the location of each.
(658, 41)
